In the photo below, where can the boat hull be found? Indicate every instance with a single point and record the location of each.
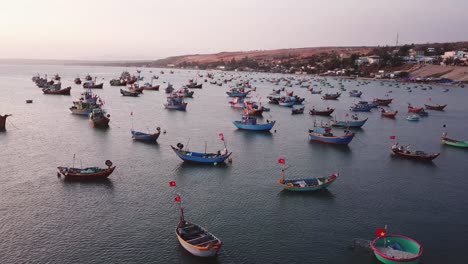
(341, 140)
(139, 136)
(237, 94)
(262, 127)
(321, 113)
(403, 154)
(198, 251)
(329, 181)
(181, 107)
(64, 91)
(455, 143)
(86, 176)
(435, 107)
(355, 124)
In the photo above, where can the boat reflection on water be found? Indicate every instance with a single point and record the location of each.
(104, 183)
(324, 194)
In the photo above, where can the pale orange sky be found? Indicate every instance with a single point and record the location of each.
(150, 29)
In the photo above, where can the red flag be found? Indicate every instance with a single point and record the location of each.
(172, 184)
(177, 199)
(392, 137)
(380, 232)
(281, 161)
(347, 114)
(221, 136)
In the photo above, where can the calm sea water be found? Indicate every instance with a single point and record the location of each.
(131, 218)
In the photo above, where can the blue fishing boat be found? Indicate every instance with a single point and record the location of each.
(146, 137)
(237, 92)
(360, 108)
(354, 123)
(323, 134)
(175, 102)
(199, 157)
(250, 123)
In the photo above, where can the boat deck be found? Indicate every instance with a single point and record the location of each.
(396, 254)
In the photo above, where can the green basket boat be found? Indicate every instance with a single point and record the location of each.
(397, 249)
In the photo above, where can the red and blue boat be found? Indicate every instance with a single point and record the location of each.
(324, 134)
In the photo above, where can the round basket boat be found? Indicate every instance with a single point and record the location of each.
(397, 249)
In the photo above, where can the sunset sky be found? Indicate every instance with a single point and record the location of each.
(151, 29)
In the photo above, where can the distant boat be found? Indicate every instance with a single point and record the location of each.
(200, 157)
(453, 142)
(355, 93)
(404, 151)
(146, 137)
(354, 123)
(413, 118)
(331, 96)
(382, 102)
(64, 91)
(326, 112)
(307, 184)
(90, 173)
(394, 249)
(389, 114)
(99, 118)
(92, 85)
(77, 80)
(360, 108)
(250, 123)
(316, 92)
(297, 110)
(2, 122)
(237, 92)
(323, 134)
(128, 93)
(175, 102)
(435, 107)
(412, 109)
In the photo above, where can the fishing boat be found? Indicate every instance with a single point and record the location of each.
(92, 85)
(175, 102)
(194, 85)
(324, 134)
(135, 89)
(360, 108)
(150, 87)
(237, 92)
(200, 157)
(297, 110)
(423, 113)
(195, 239)
(88, 77)
(435, 107)
(366, 103)
(412, 109)
(185, 92)
(169, 89)
(90, 173)
(2, 122)
(355, 93)
(412, 118)
(146, 137)
(453, 142)
(64, 91)
(326, 112)
(99, 118)
(316, 92)
(394, 249)
(382, 102)
(77, 80)
(404, 151)
(307, 184)
(129, 93)
(237, 102)
(331, 96)
(389, 114)
(253, 109)
(250, 123)
(353, 123)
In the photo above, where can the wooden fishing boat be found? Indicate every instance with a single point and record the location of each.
(297, 110)
(365, 103)
(360, 108)
(316, 92)
(136, 89)
(237, 92)
(200, 157)
(404, 151)
(194, 85)
(382, 102)
(327, 112)
(453, 142)
(92, 85)
(323, 134)
(389, 114)
(331, 96)
(151, 87)
(412, 109)
(99, 118)
(64, 91)
(250, 123)
(128, 93)
(146, 137)
(355, 93)
(354, 123)
(29, 101)
(435, 107)
(3, 122)
(197, 240)
(90, 173)
(412, 118)
(394, 249)
(307, 184)
(175, 102)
